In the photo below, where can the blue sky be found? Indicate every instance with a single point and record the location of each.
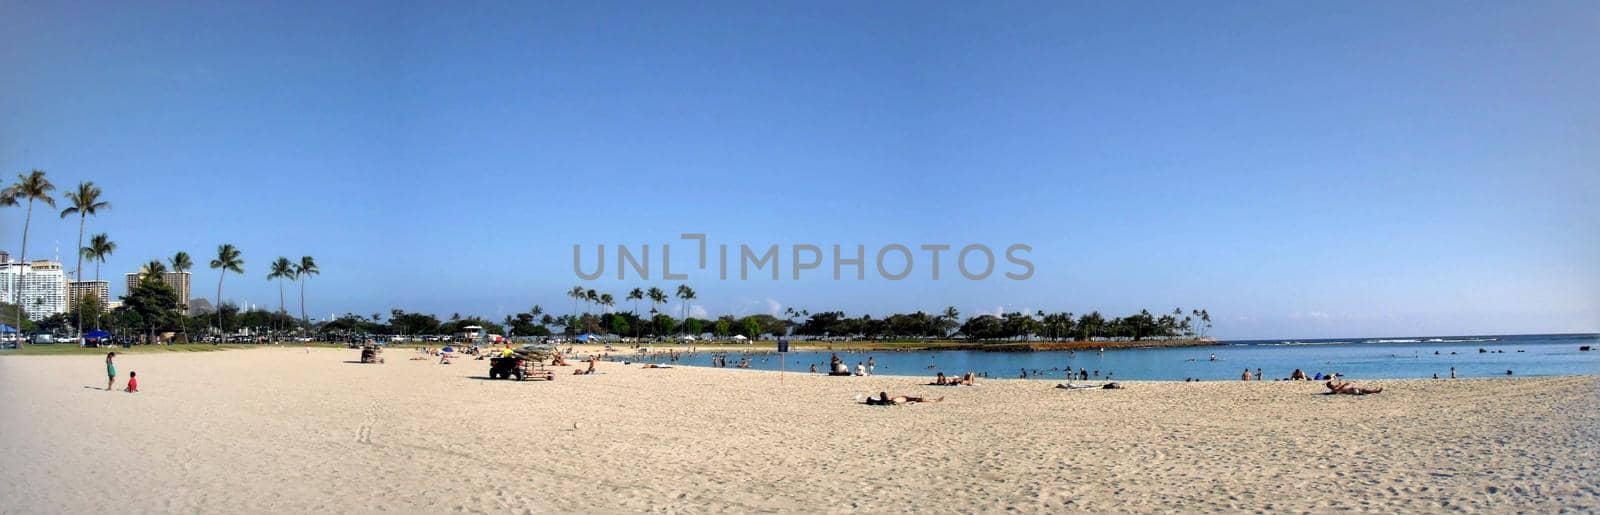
(1352, 169)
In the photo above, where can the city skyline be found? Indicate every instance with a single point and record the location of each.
(1319, 189)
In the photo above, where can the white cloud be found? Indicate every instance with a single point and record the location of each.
(697, 311)
(774, 307)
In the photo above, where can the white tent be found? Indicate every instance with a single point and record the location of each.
(687, 338)
(739, 337)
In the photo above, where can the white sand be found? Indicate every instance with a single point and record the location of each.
(276, 430)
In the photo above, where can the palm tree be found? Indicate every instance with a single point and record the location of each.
(180, 264)
(100, 247)
(687, 294)
(281, 269)
(85, 203)
(635, 295)
(590, 297)
(152, 270)
(576, 294)
(228, 260)
(607, 300)
(32, 186)
(657, 297)
(307, 268)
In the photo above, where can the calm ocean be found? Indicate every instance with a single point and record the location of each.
(1366, 358)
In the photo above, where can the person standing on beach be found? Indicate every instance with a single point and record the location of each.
(1258, 374)
(872, 365)
(111, 370)
(1452, 372)
(1246, 376)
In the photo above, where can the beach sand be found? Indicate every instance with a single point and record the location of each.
(279, 430)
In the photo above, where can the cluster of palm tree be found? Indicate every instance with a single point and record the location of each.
(589, 297)
(33, 187)
(85, 202)
(284, 270)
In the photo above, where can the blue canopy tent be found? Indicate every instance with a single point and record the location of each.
(6, 329)
(584, 338)
(96, 335)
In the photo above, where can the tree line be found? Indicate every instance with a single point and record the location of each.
(150, 306)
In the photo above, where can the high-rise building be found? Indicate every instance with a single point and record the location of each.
(77, 290)
(178, 281)
(42, 283)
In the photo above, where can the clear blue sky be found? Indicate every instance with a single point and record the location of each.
(1351, 169)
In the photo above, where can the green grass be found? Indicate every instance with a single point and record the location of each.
(72, 349)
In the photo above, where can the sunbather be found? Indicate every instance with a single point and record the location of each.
(1349, 388)
(883, 399)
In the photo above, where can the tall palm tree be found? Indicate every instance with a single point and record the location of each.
(307, 268)
(657, 297)
(228, 260)
(85, 203)
(687, 294)
(607, 300)
(180, 263)
(576, 294)
(636, 295)
(282, 270)
(152, 270)
(100, 247)
(31, 186)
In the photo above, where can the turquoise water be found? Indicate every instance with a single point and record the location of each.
(1367, 358)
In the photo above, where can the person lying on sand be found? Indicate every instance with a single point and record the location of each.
(883, 399)
(653, 365)
(1349, 388)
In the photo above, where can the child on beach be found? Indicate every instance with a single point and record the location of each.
(133, 382)
(111, 370)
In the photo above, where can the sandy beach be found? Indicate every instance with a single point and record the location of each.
(276, 430)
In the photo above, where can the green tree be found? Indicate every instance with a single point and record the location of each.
(85, 203)
(33, 187)
(180, 263)
(100, 247)
(303, 272)
(154, 302)
(228, 260)
(281, 270)
(752, 328)
(686, 294)
(657, 298)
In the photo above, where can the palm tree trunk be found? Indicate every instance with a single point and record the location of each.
(303, 319)
(77, 275)
(220, 276)
(278, 321)
(22, 258)
(97, 279)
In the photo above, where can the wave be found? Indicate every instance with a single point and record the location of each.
(1455, 340)
(1292, 342)
(1401, 340)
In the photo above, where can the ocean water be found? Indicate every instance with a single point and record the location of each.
(1358, 358)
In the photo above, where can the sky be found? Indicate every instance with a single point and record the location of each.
(1299, 170)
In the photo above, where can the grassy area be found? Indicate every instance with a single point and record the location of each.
(72, 349)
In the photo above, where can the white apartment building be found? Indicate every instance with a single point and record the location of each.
(43, 285)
